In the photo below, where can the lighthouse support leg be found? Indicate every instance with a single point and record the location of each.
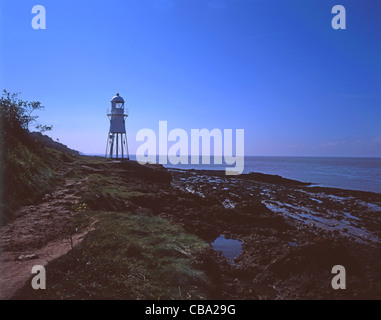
(121, 145)
(117, 138)
(128, 154)
(112, 145)
(107, 145)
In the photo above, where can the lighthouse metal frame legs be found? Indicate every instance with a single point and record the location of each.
(117, 146)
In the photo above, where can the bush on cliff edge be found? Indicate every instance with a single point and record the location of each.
(27, 168)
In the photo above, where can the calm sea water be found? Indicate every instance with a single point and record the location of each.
(346, 173)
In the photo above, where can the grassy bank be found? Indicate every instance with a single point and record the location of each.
(28, 174)
(128, 256)
(27, 168)
(131, 253)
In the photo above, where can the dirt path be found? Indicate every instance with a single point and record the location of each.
(39, 234)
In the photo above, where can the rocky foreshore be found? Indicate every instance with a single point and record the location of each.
(292, 233)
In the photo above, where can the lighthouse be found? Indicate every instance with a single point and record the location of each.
(117, 146)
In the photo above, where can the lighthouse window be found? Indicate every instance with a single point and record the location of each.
(119, 105)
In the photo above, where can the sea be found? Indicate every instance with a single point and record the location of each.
(337, 172)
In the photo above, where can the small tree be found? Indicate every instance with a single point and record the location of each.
(15, 112)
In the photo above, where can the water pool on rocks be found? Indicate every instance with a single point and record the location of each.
(230, 248)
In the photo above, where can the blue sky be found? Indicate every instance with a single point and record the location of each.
(274, 68)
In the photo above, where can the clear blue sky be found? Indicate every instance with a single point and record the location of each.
(274, 68)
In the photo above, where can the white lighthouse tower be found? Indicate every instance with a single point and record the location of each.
(117, 138)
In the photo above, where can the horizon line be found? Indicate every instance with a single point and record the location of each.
(273, 156)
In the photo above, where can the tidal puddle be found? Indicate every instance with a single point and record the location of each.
(230, 248)
(328, 222)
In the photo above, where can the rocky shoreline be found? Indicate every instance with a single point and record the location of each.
(292, 233)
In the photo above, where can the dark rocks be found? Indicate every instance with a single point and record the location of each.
(253, 207)
(150, 172)
(321, 255)
(150, 201)
(106, 201)
(128, 169)
(274, 179)
(255, 176)
(255, 214)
